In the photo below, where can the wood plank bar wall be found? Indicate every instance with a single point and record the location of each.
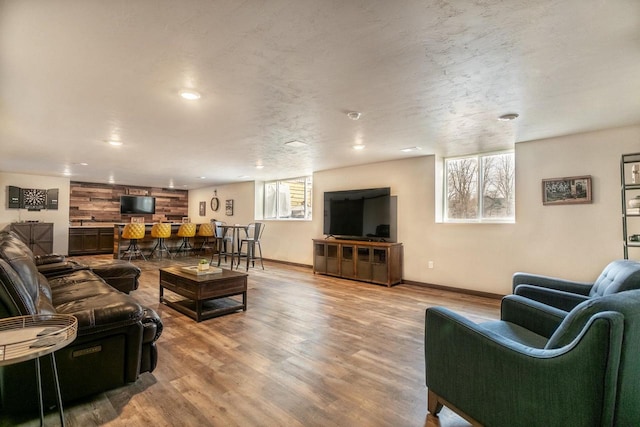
(91, 202)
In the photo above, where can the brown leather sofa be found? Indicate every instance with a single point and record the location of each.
(116, 339)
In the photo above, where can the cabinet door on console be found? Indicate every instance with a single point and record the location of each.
(333, 264)
(380, 266)
(319, 258)
(347, 262)
(364, 263)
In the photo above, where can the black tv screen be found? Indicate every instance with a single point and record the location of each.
(358, 214)
(137, 205)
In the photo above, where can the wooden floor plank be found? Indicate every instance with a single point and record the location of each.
(311, 350)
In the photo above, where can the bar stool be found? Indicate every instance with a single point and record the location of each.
(186, 231)
(254, 232)
(133, 232)
(161, 231)
(205, 230)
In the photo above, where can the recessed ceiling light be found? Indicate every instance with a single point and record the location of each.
(295, 144)
(410, 149)
(66, 173)
(354, 115)
(259, 166)
(358, 147)
(202, 177)
(508, 117)
(244, 176)
(189, 94)
(114, 142)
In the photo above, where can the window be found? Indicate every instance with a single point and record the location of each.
(288, 198)
(480, 188)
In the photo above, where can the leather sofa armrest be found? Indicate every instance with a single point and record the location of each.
(55, 269)
(152, 325)
(48, 259)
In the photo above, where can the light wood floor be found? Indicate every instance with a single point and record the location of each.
(311, 350)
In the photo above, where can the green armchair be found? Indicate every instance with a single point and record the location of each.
(538, 365)
(618, 276)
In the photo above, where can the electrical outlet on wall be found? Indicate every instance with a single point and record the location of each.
(430, 264)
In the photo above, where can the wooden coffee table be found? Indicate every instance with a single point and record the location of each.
(207, 295)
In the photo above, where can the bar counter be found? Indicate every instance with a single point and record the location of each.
(147, 243)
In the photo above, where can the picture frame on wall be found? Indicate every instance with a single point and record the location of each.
(229, 207)
(567, 191)
(203, 208)
(186, 220)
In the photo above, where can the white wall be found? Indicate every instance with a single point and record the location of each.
(572, 241)
(242, 195)
(59, 218)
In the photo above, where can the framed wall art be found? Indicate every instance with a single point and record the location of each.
(567, 191)
(229, 207)
(203, 208)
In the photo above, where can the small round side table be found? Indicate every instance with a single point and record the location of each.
(31, 337)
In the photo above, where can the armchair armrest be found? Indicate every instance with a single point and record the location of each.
(498, 381)
(581, 288)
(553, 297)
(532, 315)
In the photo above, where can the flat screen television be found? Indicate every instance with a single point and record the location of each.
(137, 205)
(358, 214)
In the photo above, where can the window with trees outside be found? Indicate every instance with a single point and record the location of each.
(288, 198)
(480, 188)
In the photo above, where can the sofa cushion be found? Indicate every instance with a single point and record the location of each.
(102, 312)
(95, 304)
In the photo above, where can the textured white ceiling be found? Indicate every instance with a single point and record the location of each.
(434, 74)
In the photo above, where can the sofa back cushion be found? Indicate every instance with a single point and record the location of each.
(32, 285)
(14, 298)
(14, 239)
(618, 276)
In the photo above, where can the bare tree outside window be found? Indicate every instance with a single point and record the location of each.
(462, 188)
(492, 176)
(498, 186)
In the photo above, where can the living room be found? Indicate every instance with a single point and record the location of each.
(566, 240)
(431, 76)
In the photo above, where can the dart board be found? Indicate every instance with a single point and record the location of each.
(34, 198)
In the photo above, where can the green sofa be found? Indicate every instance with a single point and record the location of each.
(538, 365)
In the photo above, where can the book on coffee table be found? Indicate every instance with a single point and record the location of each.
(193, 269)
